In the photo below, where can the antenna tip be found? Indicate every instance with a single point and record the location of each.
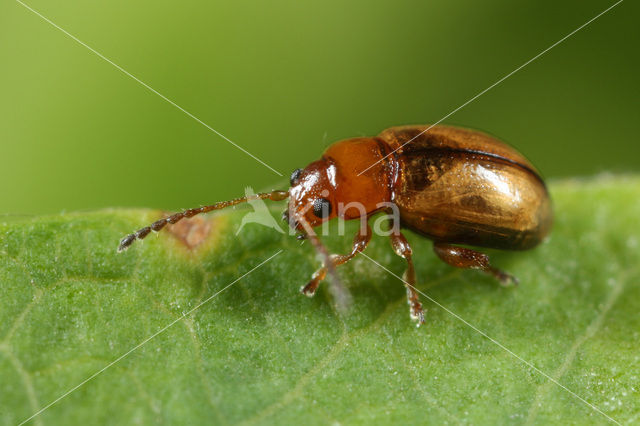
(126, 242)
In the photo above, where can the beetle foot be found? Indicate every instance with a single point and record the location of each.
(416, 313)
(309, 290)
(505, 280)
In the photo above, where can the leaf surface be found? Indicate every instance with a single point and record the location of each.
(260, 353)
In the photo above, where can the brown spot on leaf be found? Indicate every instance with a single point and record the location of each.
(191, 232)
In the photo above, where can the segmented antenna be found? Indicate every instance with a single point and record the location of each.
(159, 224)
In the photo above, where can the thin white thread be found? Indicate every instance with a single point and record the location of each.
(146, 340)
(127, 73)
(496, 342)
(497, 82)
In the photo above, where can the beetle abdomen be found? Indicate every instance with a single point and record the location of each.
(462, 186)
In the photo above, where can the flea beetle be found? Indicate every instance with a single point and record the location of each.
(452, 185)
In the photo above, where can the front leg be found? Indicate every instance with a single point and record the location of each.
(403, 249)
(360, 242)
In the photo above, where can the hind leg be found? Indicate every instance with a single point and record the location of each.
(461, 257)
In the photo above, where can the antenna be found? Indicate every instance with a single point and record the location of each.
(159, 224)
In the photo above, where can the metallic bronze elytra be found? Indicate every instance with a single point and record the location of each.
(449, 184)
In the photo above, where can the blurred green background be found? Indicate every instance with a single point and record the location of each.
(284, 79)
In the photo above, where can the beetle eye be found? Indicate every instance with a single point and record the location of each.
(295, 176)
(322, 208)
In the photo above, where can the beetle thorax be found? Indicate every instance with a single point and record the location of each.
(337, 184)
(357, 192)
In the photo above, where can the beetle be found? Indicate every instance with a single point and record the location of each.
(453, 185)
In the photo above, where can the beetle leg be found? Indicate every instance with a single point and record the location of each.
(403, 249)
(461, 257)
(360, 242)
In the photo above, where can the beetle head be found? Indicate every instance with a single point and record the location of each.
(311, 196)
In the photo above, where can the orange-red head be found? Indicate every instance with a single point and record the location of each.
(335, 186)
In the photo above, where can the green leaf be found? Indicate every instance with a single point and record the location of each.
(259, 352)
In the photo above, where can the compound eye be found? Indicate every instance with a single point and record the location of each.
(322, 208)
(295, 176)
